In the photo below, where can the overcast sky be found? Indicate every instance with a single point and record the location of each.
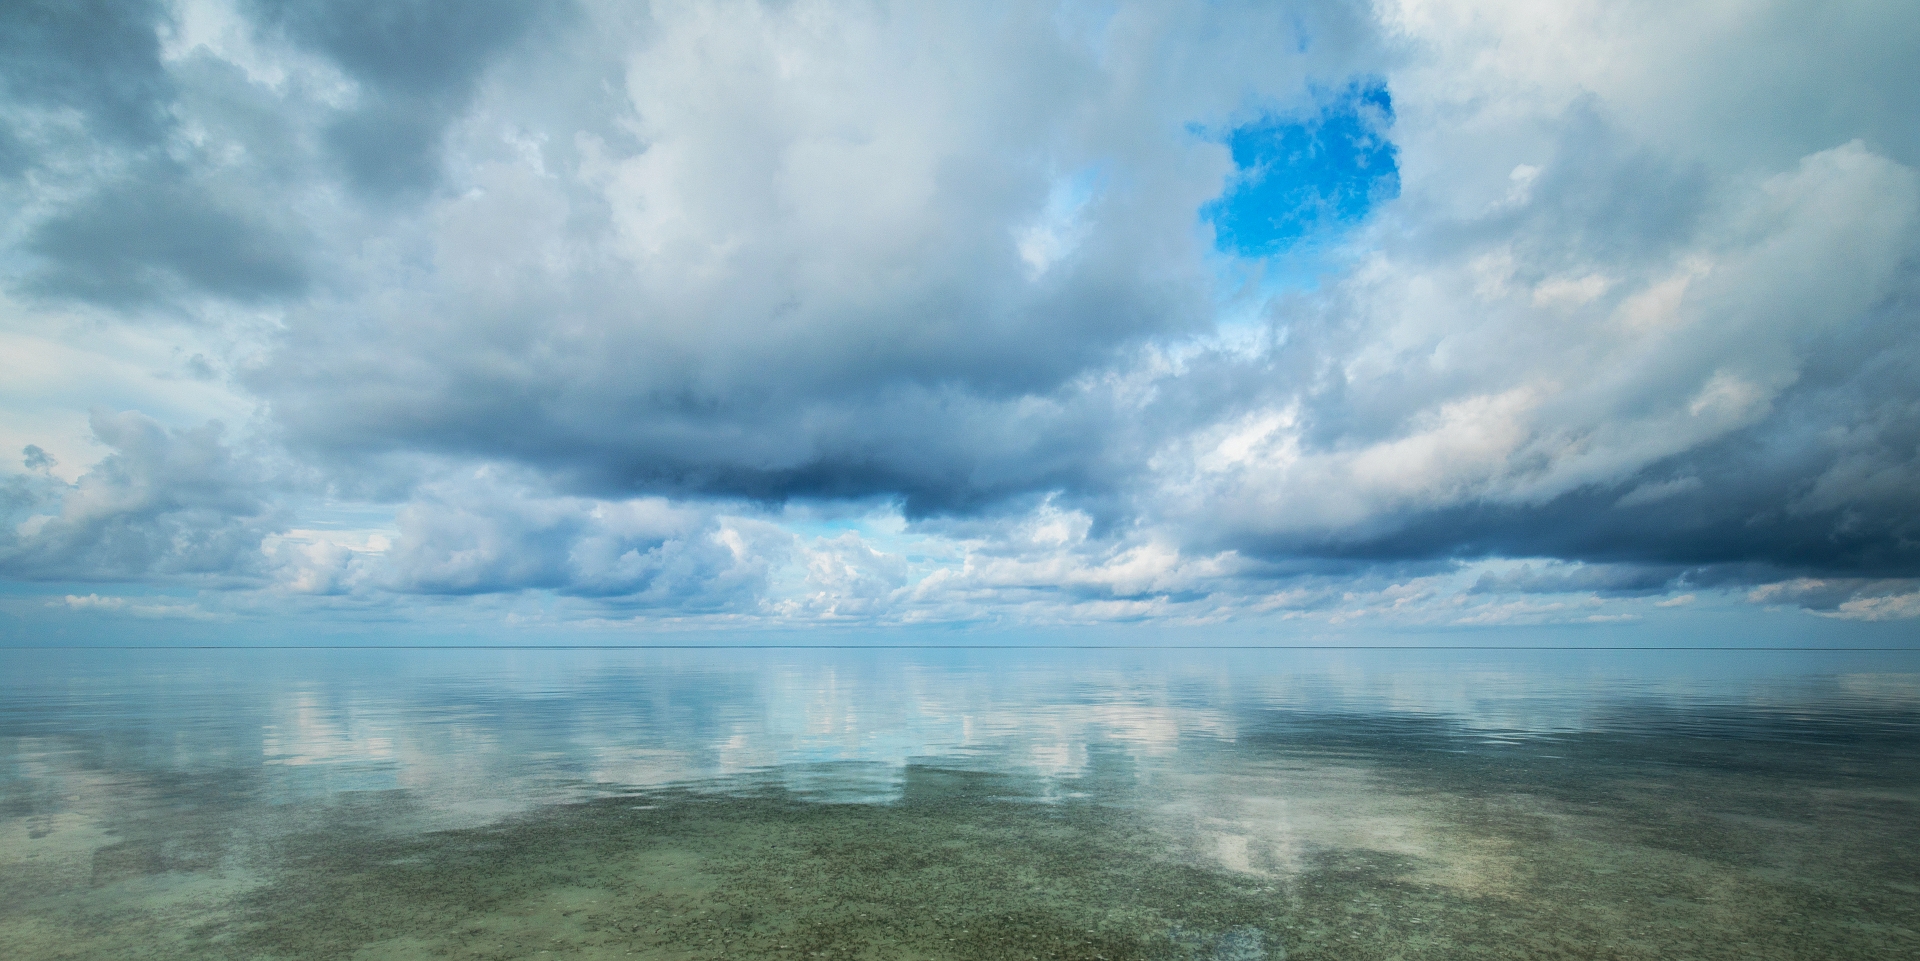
(597, 321)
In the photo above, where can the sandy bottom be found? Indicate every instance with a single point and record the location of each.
(1587, 848)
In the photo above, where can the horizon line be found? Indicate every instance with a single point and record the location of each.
(934, 647)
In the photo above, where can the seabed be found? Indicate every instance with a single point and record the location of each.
(1603, 848)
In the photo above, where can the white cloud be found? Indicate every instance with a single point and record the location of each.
(137, 608)
(1886, 608)
(1851, 599)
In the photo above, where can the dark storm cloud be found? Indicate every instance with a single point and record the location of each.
(417, 63)
(1578, 578)
(937, 449)
(126, 210)
(15, 155)
(175, 185)
(100, 58)
(1824, 484)
(152, 239)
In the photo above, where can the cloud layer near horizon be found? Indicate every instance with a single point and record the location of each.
(806, 311)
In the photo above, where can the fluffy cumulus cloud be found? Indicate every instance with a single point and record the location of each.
(748, 313)
(162, 503)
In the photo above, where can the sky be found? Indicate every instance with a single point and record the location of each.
(613, 322)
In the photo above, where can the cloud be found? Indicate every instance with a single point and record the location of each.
(131, 192)
(155, 609)
(152, 239)
(848, 578)
(1441, 436)
(162, 505)
(415, 68)
(1884, 608)
(99, 59)
(1853, 599)
(1578, 578)
(487, 535)
(791, 262)
(1141, 310)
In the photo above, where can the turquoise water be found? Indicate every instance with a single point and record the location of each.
(897, 803)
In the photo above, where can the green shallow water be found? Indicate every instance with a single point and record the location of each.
(1147, 817)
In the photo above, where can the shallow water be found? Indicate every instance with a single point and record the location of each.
(1214, 805)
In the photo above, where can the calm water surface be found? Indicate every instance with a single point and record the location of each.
(1214, 805)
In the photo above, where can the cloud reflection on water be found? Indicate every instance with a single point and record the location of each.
(516, 728)
(164, 786)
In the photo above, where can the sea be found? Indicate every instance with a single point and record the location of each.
(958, 802)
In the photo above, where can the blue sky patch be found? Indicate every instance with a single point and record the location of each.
(1296, 177)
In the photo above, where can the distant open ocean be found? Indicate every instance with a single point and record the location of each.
(1219, 805)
